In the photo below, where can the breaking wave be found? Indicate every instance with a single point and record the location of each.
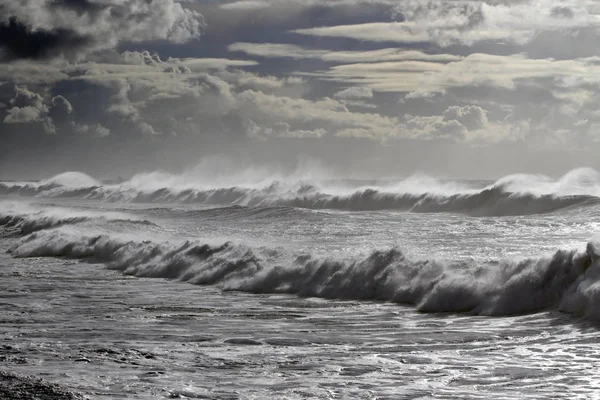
(568, 280)
(511, 195)
(23, 220)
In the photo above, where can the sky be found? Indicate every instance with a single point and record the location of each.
(367, 88)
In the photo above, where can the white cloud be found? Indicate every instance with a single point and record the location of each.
(463, 123)
(292, 5)
(466, 22)
(204, 64)
(433, 127)
(95, 130)
(19, 115)
(326, 114)
(28, 107)
(355, 92)
(421, 79)
(62, 104)
(266, 83)
(299, 52)
(375, 31)
(279, 129)
(471, 117)
(144, 92)
(25, 97)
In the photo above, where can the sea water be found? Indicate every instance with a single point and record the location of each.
(296, 287)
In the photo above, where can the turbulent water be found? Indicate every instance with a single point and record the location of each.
(256, 286)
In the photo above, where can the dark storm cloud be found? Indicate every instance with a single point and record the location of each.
(365, 84)
(73, 28)
(81, 6)
(18, 41)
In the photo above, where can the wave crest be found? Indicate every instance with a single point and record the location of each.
(511, 195)
(25, 220)
(567, 280)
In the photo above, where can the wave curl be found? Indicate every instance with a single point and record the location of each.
(567, 280)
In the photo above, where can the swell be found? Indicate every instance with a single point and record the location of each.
(19, 224)
(488, 202)
(511, 195)
(568, 280)
(493, 201)
(228, 212)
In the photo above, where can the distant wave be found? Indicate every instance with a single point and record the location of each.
(568, 280)
(24, 220)
(511, 195)
(228, 212)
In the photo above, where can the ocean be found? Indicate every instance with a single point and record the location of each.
(298, 287)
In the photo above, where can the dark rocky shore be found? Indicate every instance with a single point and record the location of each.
(19, 387)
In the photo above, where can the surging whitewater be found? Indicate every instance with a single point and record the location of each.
(521, 248)
(567, 280)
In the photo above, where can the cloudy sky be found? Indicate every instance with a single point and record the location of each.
(365, 87)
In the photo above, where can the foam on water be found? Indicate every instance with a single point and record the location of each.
(328, 320)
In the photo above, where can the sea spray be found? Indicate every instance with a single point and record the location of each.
(511, 195)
